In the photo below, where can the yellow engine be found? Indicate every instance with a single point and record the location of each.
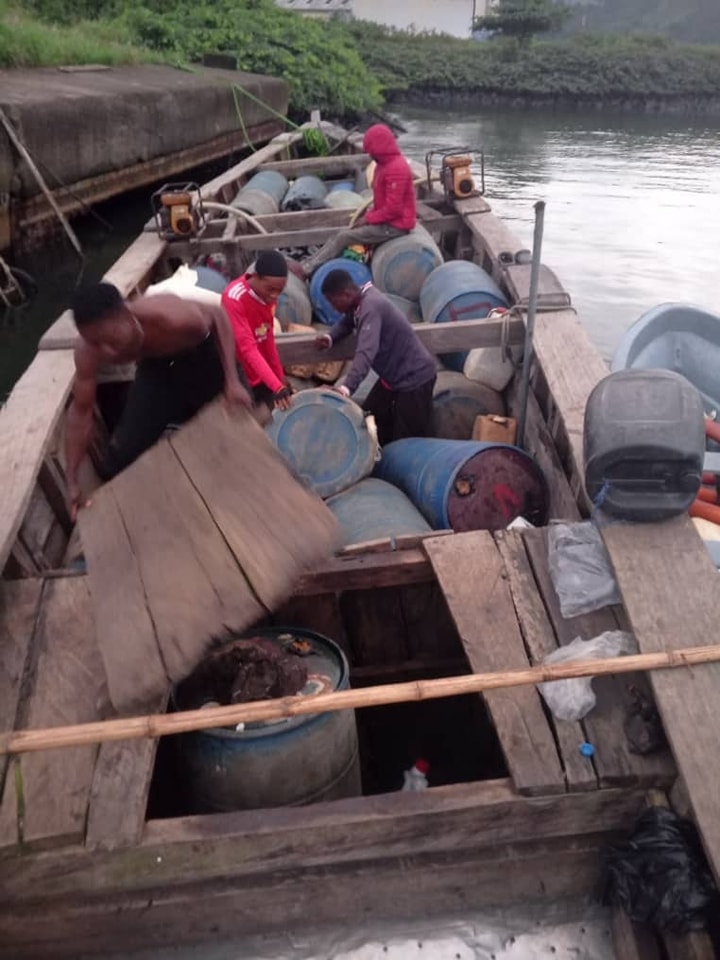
(457, 177)
(178, 211)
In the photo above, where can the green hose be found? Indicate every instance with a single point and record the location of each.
(313, 138)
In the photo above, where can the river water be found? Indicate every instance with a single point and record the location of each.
(632, 220)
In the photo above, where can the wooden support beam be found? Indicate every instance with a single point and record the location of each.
(436, 337)
(335, 165)
(368, 571)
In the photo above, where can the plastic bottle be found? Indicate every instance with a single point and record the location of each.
(416, 776)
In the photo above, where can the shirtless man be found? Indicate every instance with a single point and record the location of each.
(185, 353)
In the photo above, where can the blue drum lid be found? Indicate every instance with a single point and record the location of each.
(324, 439)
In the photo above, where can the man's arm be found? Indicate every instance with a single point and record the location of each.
(367, 347)
(223, 333)
(342, 328)
(393, 206)
(79, 422)
(247, 348)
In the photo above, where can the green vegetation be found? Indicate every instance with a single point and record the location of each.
(344, 68)
(523, 19)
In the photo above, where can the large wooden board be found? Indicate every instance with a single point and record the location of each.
(614, 761)
(27, 424)
(68, 688)
(669, 586)
(472, 576)
(540, 640)
(19, 605)
(206, 532)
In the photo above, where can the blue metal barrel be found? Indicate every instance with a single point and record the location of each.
(324, 438)
(262, 194)
(409, 308)
(341, 185)
(374, 510)
(457, 401)
(466, 484)
(306, 193)
(459, 290)
(275, 763)
(358, 271)
(401, 266)
(293, 305)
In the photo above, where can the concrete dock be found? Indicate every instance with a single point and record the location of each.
(95, 132)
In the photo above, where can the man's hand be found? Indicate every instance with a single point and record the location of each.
(323, 341)
(283, 398)
(342, 390)
(236, 395)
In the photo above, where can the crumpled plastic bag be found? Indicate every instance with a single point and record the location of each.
(574, 699)
(659, 875)
(580, 569)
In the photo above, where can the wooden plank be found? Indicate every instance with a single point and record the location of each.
(667, 582)
(69, 687)
(27, 424)
(550, 289)
(540, 640)
(615, 763)
(472, 205)
(375, 626)
(367, 571)
(406, 541)
(295, 220)
(471, 574)
(19, 606)
(218, 847)
(296, 348)
(630, 940)
(335, 165)
(276, 528)
(239, 907)
(125, 631)
(429, 626)
(119, 791)
(193, 587)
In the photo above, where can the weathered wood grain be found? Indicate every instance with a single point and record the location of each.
(471, 574)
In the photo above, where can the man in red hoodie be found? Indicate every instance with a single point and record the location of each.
(249, 302)
(393, 210)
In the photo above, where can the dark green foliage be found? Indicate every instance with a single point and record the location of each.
(523, 19)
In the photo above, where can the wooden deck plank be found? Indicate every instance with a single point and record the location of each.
(68, 687)
(479, 815)
(19, 606)
(615, 763)
(540, 641)
(119, 792)
(276, 528)
(471, 573)
(191, 580)
(27, 424)
(366, 571)
(668, 584)
(125, 631)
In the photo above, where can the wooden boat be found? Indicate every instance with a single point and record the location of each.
(679, 337)
(516, 814)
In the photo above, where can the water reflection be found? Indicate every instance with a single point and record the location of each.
(633, 201)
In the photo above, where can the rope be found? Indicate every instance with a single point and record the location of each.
(242, 121)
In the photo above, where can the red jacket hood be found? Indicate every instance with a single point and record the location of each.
(380, 143)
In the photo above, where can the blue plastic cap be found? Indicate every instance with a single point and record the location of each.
(587, 749)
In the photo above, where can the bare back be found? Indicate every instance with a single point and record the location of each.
(171, 324)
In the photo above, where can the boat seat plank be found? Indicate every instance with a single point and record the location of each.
(68, 687)
(470, 571)
(205, 533)
(614, 761)
(19, 606)
(540, 640)
(550, 290)
(668, 585)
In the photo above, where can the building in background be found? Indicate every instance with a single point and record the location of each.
(445, 16)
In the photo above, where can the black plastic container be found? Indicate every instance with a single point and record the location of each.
(644, 444)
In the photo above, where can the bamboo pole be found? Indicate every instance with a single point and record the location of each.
(159, 725)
